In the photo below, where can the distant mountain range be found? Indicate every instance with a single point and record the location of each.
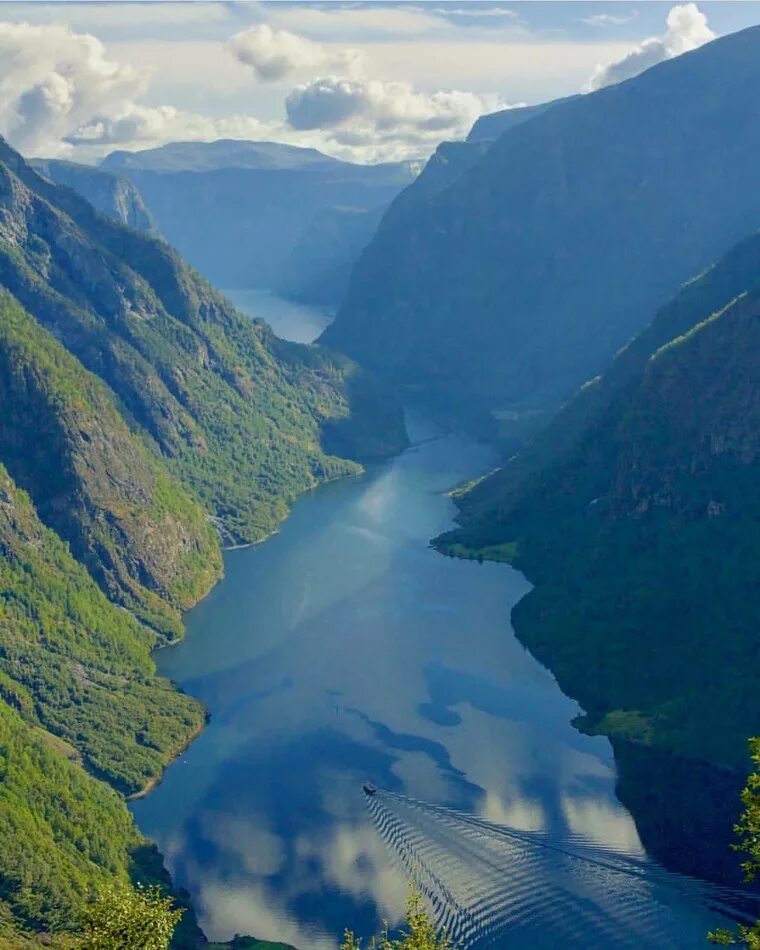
(246, 214)
(243, 212)
(514, 282)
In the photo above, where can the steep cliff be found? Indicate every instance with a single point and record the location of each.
(639, 529)
(126, 519)
(522, 278)
(234, 413)
(112, 194)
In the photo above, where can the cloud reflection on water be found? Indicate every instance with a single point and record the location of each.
(344, 650)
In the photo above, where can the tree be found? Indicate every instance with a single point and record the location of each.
(748, 832)
(420, 935)
(125, 918)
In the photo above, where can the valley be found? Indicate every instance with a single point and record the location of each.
(342, 650)
(379, 482)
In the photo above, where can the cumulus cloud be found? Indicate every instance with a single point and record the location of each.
(52, 80)
(60, 89)
(687, 29)
(362, 111)
(150, 125)
(276, 54)
(64, 93)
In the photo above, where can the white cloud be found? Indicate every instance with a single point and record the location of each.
(52, 80)
(609, 19)
(360, 112)
(276, 54)
(487, 13)
(66, 93)
(347, 22)
(687, 29)
(150, 125)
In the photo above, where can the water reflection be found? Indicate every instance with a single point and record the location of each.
(492, 886)
(344, 649)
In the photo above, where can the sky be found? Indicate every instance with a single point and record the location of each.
(365, 82)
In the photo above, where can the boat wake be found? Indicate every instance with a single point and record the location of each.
(491, 886)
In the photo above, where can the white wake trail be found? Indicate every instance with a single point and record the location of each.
(494, 886)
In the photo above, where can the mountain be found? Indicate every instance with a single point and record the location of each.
(237, 210)
(237, 416)
(224, 153)
(145, 540)
(112, 194)
(142, 417)
(318, 268)
(79, 703)
(640, 532)
(523, 277)
(489, 127)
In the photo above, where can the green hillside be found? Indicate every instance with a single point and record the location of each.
(146, 541)
(641, 535)
(144, 420)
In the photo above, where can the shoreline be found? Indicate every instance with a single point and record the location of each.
(645, 769)
(154, 782)
(157, 779)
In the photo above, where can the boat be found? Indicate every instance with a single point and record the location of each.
(369, 789)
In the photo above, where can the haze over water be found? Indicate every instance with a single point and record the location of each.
(342, 650)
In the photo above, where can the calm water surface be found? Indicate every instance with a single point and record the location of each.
(343, 649)
(291, 321)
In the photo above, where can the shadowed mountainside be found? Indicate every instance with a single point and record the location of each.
(523, 277)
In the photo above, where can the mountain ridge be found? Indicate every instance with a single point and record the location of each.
(236, 210)
(523, 277)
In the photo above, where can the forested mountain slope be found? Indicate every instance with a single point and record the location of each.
(236, 414)
(146, 541)
(77, 689)
(140, 412)
(641, 534)
(522, 278)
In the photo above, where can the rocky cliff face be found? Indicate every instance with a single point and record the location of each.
(76, 665)
(93, 481)
(523, 277)
(236, 415)
(112, 194)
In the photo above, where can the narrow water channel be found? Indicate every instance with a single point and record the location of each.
(344, 650)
